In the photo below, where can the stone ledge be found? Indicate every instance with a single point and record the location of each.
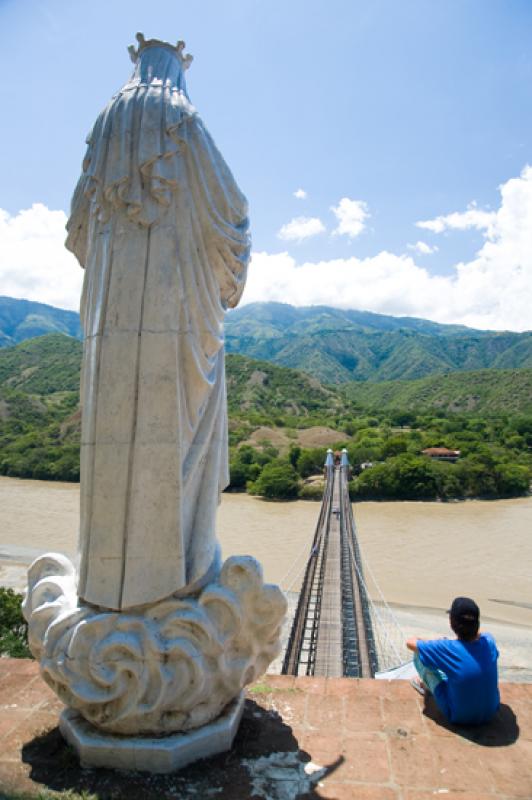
(334, 738)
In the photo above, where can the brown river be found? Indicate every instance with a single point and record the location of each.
(420, 554)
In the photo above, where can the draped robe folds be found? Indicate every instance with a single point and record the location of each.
(161, 228)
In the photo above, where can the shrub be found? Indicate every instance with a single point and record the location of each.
(241, 473)
(448, 480)
(293, 454)
(311, 491)
(394, 446)
(512, 479)
(277, 481)
(13, 627)
(238, 476)
(311, 461)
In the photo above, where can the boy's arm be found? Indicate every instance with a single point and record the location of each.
(412, 643)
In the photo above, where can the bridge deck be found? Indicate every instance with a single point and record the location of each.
(332, 631)
(329, 646)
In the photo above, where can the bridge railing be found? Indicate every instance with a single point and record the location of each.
(299, 625)
(371, 637)
(365, 645)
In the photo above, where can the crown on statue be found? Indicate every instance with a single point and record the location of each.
(186, 59)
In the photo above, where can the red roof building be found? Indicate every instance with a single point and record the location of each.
(442, 453)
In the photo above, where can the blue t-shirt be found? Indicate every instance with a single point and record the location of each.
(470, 695)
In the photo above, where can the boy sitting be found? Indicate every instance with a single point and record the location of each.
(461, 673)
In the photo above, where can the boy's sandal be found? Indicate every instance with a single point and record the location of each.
(418, 686)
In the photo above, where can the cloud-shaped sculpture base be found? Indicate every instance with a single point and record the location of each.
(171, 666)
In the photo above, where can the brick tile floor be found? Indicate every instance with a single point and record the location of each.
(373, 740)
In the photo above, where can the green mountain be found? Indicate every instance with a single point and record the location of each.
(49, 366)
(333, 345)
(258, 387)
(24, 319)
(487, 391)
(39, 416)
(337, 346)
(43, 365)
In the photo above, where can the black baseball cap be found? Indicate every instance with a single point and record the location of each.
(464, 609)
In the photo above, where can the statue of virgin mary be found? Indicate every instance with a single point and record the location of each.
(161, 228)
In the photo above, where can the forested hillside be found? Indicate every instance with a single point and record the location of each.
(333, 345)
(281, 421)
(43, 365)
(24, 319)
(485, 391)
(338, 346)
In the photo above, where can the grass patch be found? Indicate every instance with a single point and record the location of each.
(68, 794)
(260, 688)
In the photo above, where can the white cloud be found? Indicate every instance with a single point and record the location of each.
(301, 228)
(385, 283)
(300, 194)
(423, 248)
(351, 216)
(34, 264)
(461, 221)
(494, 290)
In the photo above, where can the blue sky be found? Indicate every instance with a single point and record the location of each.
(408, 110)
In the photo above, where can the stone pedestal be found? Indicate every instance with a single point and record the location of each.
(150, 754)
(176, 665)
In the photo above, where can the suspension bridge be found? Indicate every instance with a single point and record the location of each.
(342, 625)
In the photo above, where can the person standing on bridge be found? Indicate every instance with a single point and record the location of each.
(461, 673)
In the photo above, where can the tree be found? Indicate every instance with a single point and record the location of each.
(477, 477)
(277, 481)
(403, 477)
(366, 450)
(394, 446)
(448, 481)
(311, 461)
(512, 480)
(293, 454)
(402, 418)
(246, 454)
(241, 472)
(523, 426)
(238, 475)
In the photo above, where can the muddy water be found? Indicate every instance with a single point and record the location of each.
(422, 554)
(39, 515)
